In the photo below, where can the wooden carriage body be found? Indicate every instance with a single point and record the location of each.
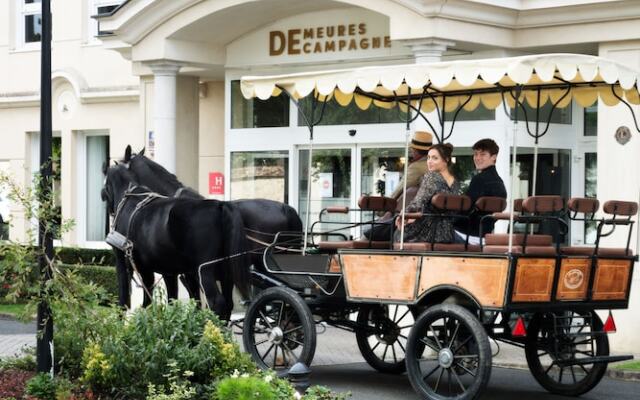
(494, 282)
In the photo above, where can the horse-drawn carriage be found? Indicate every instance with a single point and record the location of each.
(425, 308)
(430, 308)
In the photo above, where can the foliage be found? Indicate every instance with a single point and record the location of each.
(103, 277)
(324, 393)
(629, 366)
(26, 362)
(12, 383)
(75, 255)
(42, 386)
(245, 388)
(156, 342)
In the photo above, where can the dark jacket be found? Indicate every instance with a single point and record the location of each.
(485, 183)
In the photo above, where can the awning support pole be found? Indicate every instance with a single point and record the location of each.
(407, 134)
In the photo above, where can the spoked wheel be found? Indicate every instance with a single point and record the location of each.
(558, 349)
(456, 361)
(382, 336)
(279, 330)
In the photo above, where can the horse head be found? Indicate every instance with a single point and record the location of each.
(118, 179)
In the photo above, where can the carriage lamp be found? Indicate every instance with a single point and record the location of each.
(610, 324)
(299, 377)
(519, 329)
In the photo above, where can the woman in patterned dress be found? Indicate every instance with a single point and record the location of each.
(438, 179)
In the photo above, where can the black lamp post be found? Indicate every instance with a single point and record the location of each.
(45, 238)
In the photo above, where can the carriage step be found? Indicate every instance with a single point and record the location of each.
(593, 360)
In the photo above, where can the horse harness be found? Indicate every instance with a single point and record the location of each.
(122, 242)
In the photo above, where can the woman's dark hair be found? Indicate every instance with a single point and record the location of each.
(445, 150)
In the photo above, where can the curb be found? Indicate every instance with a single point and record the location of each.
(619, 374)
(622, 374)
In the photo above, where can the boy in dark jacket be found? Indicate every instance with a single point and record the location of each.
(486, 182)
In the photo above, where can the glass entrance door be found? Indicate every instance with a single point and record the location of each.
(331, 180)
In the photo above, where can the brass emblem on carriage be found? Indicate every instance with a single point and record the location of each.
(573, 279)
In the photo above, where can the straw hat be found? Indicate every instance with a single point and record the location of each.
(422, 140)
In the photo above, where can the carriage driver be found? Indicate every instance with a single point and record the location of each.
(486, 182)
(418, 150)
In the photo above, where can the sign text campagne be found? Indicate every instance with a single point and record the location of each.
(324, 39)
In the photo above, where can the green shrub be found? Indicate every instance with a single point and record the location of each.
(102, 276)
(245, 388)
(41, 386)
(26, 362)
(157, 341)
(75, 255)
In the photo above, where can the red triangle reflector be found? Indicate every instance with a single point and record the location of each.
(610, 324)
(519, 330)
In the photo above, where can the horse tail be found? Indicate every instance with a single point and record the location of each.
(235, 243)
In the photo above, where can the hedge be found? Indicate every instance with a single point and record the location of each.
(75, 255)
(103, 276)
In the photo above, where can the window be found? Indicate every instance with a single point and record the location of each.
(559, 116)
(330, 186)
(97, 219)
(100, 7)
(256, 113)
(335, 114)
(260, 174)
(30, 21)
(382, 170)
(591, 120)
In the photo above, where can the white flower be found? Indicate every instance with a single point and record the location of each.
(235, 374)
(245, 375)
(268, 378)
(188, 373)
(297, 396)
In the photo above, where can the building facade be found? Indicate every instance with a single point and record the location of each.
(164, 75)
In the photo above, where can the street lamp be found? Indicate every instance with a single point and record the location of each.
(45, 239)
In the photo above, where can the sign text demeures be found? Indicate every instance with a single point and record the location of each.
(324, 39)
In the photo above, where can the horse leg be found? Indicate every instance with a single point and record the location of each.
(124, 280)
(171, 282)
(148, 281)
(227, 293)
(190, 282)
(215, 299)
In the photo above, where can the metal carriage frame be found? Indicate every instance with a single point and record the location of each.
(516, 310)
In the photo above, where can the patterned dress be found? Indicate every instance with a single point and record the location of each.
(428, 229)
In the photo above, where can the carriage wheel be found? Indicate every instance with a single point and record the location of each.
(382, 336)
(581, 337)
(456, 361)
(279, 330)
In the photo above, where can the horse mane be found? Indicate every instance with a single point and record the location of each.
(158, 170)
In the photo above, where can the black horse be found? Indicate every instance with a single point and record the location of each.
(174, 236)
(262, 218)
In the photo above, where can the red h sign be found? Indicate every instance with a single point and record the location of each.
(216, 183)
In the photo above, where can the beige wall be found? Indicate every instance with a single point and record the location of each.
(211, 141)
(619, 178)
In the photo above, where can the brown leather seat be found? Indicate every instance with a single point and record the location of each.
(493, 249)
(502, 239)
(335, 245)
(373, 244)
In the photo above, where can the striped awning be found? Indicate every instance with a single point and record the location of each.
(559, 78)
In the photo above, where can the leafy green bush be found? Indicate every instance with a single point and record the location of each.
(41, 386)
(245, 388)
(75, 255)
(26, 362)
(157, 341)
(102, 276)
